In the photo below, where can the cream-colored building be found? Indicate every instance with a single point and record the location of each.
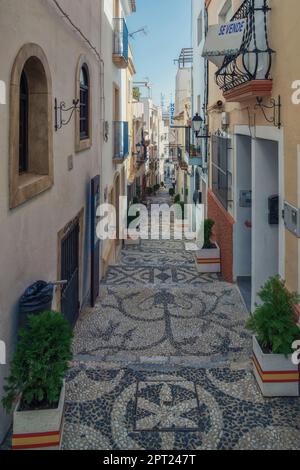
(46, 171)
(254, 152)
(182, 120)
(117, 164)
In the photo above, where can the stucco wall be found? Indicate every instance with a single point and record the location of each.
(28, 236)
(285, 69)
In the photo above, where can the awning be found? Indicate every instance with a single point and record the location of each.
(223, 40)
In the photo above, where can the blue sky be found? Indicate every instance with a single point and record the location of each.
(168, 26)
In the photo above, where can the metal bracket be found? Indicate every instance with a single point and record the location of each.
(60, 109)
(275, 106)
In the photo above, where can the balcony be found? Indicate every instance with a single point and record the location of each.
(246, 73)
(120, 43)
(121, 141)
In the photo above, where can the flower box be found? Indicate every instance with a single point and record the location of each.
(38, 429)
(276, 374)
(209, 260)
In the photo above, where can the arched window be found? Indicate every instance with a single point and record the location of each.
(31, 126)
(23, 136)
(84, 103)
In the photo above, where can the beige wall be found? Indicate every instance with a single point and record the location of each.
(284, 38)
(28, 236)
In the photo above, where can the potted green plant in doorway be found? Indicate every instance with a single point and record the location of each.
(275, 331)
(208, 259)
(35, 389)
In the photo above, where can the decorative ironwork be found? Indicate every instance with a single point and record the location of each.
(275, 106)
(60, 109)
(254, 60)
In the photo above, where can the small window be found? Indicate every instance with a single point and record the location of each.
(199, 28)
(23, 135)
(84, 103)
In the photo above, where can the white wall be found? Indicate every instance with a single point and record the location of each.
(183, 88)
(265, 238)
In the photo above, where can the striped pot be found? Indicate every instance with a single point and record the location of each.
(276, 375)
(209, 260)
(38, 429)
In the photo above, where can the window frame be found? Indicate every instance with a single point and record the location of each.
(200, 29)
(84, 103)
(83, 141)
(39, 176)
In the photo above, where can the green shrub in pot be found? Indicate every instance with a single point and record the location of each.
(40, 362)
(273, 321)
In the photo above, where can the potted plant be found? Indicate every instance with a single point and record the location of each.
(208, 259)
(156, 188)
(35, 388)
(149, 191)
(275, 331)
(171, 192)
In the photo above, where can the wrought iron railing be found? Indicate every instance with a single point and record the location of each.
(121, 140)
(254, 59)
(121, 47)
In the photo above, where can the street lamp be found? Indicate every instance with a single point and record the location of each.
(197, 124)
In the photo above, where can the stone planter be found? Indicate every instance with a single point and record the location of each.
(209, 260)
(276, 375)
(38, 429)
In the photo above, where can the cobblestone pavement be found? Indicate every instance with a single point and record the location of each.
(162, 363)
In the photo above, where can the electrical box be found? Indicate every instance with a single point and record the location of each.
(292, 219)
(273, 204)
(245, 198)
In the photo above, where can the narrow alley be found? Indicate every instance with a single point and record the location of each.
(163, 362)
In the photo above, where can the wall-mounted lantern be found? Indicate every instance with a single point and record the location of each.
(60, 109)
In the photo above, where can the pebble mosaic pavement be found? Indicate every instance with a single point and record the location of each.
(162, 363)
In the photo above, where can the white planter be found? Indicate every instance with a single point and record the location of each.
(39, 429)
(276, 375)
(209, 260)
